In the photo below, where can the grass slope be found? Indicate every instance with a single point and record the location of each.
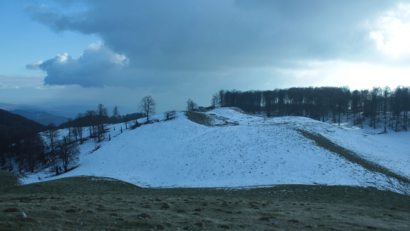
(94, 203)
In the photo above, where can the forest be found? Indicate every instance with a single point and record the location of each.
(382, 107)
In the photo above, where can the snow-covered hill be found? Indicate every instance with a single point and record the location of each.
(258, 151)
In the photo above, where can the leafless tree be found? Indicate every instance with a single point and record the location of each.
(215, 100)
(33, 148)
(80, 133)
(69, 129)
(52, 134)
(115, 114)
(191, 105)
(75, 133)
(68, 152)
(90, 118)
(102, 115)
(147, 106)
(80, 119)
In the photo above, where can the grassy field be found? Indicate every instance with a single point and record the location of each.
(94, 203)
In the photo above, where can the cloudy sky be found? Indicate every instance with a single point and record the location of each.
(85, 52)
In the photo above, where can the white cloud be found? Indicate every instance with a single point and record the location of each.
(95, 46)
(98, 66)
(35, 65)
(354, 75)
(8, 86)
(20, 81)
(62, 58)
(391, 31)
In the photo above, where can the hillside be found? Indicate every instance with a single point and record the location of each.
(243, 150)
(9, 120)
(14, 127)
(41, 117)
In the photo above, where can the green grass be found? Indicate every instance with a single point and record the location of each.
(325, 143)
(103, 204)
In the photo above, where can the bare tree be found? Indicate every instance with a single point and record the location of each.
(147, 106)
(90, 120)
(52, 134)
(102, 115)
(69, 129)
(386, 96)
(215, 100)
(33, 150)
(75, 133)
(191, 105)
(115, 114)
(79, 127)
(68, 152)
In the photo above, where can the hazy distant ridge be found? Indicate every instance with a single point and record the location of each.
(41, 117)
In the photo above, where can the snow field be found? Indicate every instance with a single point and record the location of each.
(259, 151)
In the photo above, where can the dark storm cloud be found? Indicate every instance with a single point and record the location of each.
(100, 67)
(97, 67)
(212, 35)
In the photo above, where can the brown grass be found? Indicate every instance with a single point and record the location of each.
(198, 117)
(105, 204)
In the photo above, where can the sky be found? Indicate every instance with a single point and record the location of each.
(79, 53)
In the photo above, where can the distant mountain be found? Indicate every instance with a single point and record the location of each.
(66, 111)
(10, 107)
(41, 117)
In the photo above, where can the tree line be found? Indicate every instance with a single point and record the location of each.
(382, 107)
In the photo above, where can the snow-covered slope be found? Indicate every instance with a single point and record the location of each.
(257, 151)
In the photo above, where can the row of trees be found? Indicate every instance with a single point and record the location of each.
(94, 120)
(381, 106)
